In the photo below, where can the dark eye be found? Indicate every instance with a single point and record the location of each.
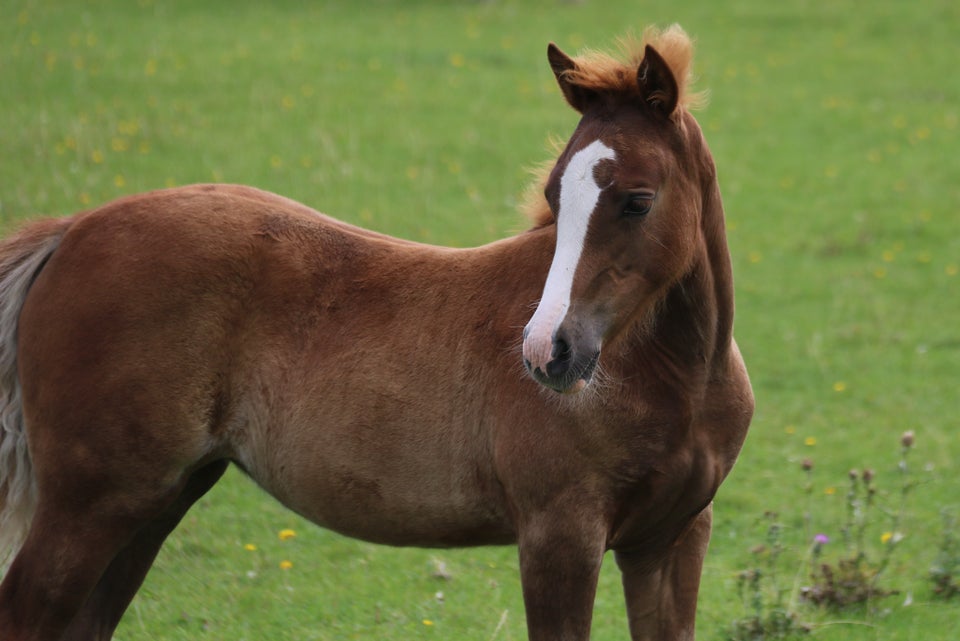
(638, 205)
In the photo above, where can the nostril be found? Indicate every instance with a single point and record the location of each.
(561, 357)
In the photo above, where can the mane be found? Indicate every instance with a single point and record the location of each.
(600, 71)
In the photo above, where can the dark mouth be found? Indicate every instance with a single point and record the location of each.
(576, 377)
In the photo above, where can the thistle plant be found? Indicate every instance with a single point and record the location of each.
(835, 575)
(771, 615)
(855, 578)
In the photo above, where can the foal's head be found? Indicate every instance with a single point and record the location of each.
(626, 196)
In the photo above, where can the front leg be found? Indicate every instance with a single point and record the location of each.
(661, 593)
(560, 557)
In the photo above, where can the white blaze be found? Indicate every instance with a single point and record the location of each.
(579, 194)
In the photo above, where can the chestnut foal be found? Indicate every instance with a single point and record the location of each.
(375, 385)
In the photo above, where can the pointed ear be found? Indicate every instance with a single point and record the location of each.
(657, 84)
(578, 97)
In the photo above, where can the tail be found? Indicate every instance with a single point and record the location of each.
(22, 256)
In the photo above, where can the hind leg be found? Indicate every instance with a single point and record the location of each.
(102, 611)
(59, 565)
(78, 542)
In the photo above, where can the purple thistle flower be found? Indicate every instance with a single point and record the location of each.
(820, 539)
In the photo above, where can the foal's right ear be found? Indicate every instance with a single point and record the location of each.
(563, 65)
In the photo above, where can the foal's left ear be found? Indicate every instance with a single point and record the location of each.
(658, 87)
(578, 97)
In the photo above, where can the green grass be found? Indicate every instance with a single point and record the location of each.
(835, 130)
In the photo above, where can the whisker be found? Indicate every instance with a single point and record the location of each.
(657, 240)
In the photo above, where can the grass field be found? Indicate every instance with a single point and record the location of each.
(834, 127)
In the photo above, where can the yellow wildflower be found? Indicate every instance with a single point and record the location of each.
(286, 534)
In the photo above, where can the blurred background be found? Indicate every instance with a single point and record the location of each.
(834, 127)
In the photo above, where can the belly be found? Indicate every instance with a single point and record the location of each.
(402, 480)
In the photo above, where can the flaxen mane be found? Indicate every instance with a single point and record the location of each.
(601, 71)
